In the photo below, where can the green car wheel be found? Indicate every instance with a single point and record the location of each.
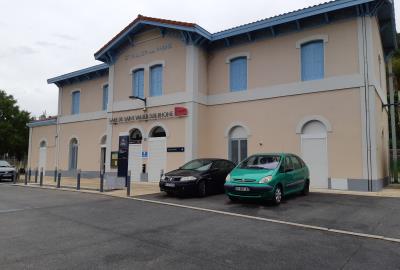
(278, 195)
(306, 188)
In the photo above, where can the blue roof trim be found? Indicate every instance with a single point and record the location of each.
(77, 73)
(289, 17)
(42, 123)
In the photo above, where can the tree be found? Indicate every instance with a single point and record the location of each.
(14, 134)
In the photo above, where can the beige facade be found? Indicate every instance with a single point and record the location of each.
(276, 112)
(265, 66)
(91, 96)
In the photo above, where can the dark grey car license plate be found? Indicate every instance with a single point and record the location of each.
(242, 189)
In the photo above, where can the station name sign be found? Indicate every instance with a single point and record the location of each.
(176, 112)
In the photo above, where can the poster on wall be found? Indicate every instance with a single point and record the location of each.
(123, 148)
(114, 160)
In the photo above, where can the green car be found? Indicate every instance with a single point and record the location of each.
(269, 177)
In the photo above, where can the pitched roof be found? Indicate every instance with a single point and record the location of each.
(140, 19)
(290, 17)
(145, 18)
(82, 72)
(382, 8)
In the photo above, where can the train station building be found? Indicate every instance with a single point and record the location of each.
(312, 82)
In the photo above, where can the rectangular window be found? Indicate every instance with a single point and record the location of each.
(238, 74)
(138, 83)
(312, 61)
(76, 96)
(105, 97)
(156, 80)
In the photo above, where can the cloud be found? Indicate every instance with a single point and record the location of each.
(23, 50)
(51, 44)
(19, 51)
(65, 37)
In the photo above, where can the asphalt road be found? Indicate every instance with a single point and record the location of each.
(48, 229)
(361, 214)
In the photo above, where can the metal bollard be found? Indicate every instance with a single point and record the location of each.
(78, 180)
(26, 178)
(59, 180)
(41, 177)
(36, 174)
(55, 174)
(128, 184)
(15, 177)
(29, 175)
(101, 182)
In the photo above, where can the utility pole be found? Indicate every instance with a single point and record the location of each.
(393, 121)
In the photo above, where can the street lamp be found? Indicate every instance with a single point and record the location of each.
(142, 99)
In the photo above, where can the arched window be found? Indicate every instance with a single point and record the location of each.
(42, 155)
(237, 144)
(135, 136)
(238, 74)
(73, 154)
(157, 132)
(314, 127)
(103, 140)
(312, 60)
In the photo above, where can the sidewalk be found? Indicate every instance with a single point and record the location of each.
(391, 191)
(93, 186)
(145, 188)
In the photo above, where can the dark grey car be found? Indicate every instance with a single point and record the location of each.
(6, 171)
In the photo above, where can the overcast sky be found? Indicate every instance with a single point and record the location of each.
(44, 38)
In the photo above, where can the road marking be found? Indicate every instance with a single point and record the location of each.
(12, 210)
(276, 221)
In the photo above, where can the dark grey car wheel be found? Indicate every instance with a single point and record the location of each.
(201, 189)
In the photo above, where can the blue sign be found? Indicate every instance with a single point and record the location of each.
(145, 154)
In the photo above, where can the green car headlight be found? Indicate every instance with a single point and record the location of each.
(188, 178)
(265, 179)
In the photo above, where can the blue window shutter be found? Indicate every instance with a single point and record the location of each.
(156, 80)
(238, 74)
(76, 102)
(105, 97)
(312, 61)
(138, 83)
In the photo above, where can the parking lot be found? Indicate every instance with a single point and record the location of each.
(50, 229)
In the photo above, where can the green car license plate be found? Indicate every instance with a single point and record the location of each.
(242, 189)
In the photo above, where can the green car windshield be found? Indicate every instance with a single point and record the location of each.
(261, 162)
(200, 165)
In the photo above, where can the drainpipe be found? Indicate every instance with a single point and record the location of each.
(393, 120)
(367, 102)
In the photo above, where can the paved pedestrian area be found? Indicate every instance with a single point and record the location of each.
(53, 229)
(93, 185)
